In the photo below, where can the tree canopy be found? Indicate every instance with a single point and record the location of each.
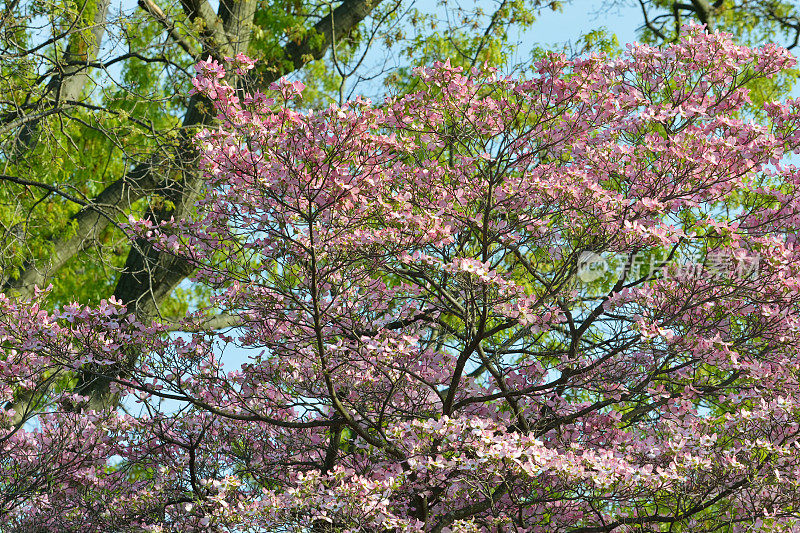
(561, 303)
(558, 300)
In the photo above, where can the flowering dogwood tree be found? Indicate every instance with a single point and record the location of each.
(431, 349)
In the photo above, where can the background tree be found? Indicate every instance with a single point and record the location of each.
(770, 20)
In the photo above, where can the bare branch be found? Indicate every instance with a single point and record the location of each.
(44, 186)
(214, 323)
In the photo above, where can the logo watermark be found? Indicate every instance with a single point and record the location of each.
(593, 266)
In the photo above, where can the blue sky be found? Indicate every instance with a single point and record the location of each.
(555, 28)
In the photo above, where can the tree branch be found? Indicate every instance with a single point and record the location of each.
(45, 186)
(221, 321)
(69, 82)
(89, 223)
(332, 27)
(212, 26)
(169, 26)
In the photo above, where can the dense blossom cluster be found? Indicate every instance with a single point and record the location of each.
(428, 359)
